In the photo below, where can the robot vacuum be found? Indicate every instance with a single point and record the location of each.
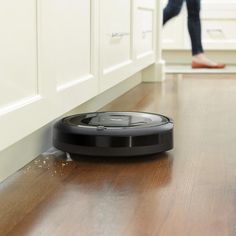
(114, 134)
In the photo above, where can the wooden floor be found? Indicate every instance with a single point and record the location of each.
(188, 191)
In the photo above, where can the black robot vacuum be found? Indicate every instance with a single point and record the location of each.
(114, 134)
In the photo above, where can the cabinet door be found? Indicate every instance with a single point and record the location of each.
(116, 41)
(67, 47)
(144, 32)
(218, 24)
(18, 69)
(18, 63)
(219, 34)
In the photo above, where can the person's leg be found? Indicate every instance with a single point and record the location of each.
(194, 26)
(172, 9)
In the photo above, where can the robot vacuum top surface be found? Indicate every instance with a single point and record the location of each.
(116, 120)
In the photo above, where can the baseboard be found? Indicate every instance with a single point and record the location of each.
(186, 69)
(18, 155)
(155, 72)
(176, 57)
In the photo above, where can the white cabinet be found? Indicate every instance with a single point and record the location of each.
(127, 39)
(68, 50)
(49, 62)
(18, 60)
(115, 41)
(218, 24)
(144, 32)
(116, 33)
(219, 34)
(57, 54)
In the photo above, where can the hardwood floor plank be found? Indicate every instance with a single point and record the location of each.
(189, 191)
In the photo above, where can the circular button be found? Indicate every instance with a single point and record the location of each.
(101, 128)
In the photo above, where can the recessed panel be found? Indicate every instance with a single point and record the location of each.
(67, 38)
(18, 64)
(219, 33)
(116, 32)
(144, 31)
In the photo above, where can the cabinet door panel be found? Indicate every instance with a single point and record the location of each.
(18, 63)
(218, 24)
(67, 38)
(144, 31)
(219, 34)
(116, 32)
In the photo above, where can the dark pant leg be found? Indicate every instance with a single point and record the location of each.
(172, 9)
(194, 25)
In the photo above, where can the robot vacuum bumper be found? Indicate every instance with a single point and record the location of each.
(114, 134)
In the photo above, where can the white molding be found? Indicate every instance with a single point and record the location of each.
(117, 67)
(150, 4)
(146, 54)
(19, 104)
(74, 83)
(146, 8)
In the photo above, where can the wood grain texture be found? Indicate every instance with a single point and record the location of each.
(188, 191)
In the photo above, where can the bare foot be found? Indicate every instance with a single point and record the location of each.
(202, 61)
